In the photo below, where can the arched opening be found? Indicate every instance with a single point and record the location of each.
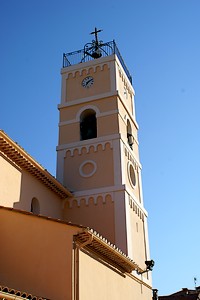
(88, 125)
(35, 206)
(129, 134)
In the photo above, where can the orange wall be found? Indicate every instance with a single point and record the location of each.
(36, 255)
(100, 282)
(50, 203)
(10, 176)
(98, 215)
(103, 158)
(75, 90)
(18, 188)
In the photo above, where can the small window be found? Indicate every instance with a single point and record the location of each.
(88, 125)
(35, 206)
(129, 134)
(132, 175)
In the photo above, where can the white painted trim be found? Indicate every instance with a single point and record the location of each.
(134, 198)
(117, 160)
(90, 142)
(108, 113)
(95, 108)
(84, 163)
(129, 164)
(113, 76)
(88, 64)
(128, 227)
(132, 154)
(122, 156)
(131, 116)
(125, 77)
(108, 189)
(125, 122)
(87, 99)
(140, 186)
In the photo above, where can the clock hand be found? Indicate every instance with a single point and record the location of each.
(88, 81)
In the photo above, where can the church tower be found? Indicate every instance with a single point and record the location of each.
(97, 152)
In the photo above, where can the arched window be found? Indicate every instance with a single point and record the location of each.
(129, 134)
(88, 124)
(35, 206)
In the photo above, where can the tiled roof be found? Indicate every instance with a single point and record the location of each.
(180, 297)
(21, 158)
(184, 294)
(9, 293)
(95, 243)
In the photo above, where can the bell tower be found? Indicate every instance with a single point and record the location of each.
(97, 152)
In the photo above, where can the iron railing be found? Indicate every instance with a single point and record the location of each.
(84, 55)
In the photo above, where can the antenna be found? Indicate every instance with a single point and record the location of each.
(195, 282)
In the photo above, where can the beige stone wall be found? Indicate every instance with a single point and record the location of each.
(107, 121)
(18, 188)
(36, 255)
(50, 203)
(130, 164)
(117, 168)
(138, 254)
(10, 183)
(98, 282)
(89, 168)
(126, 92)
(75, 90)
(96, 213)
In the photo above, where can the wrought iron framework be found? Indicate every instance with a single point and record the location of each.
(94, 50)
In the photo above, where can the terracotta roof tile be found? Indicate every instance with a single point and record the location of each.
(94, 242)
(6, 292)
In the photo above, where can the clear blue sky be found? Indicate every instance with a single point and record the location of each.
(160, 43)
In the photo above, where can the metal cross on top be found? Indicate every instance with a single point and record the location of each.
(94, 49)
(95, 32)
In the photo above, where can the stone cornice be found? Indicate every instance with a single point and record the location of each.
(88, 65)
(22, 159)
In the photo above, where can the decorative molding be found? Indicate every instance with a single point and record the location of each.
(125, 81)
(91, 162)
(92, 107)
(89, 64)
(132, 159)
(124, 120)
(87, 70)
(88, 99)
(99, 115)
(102, 190)
(20, 157)
(124, 77)
(131, 116)
(104, 197)
(133, 183)
(91, 142)
(88, 148)
(135, 207)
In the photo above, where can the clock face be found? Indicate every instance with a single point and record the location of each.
(87, 82)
